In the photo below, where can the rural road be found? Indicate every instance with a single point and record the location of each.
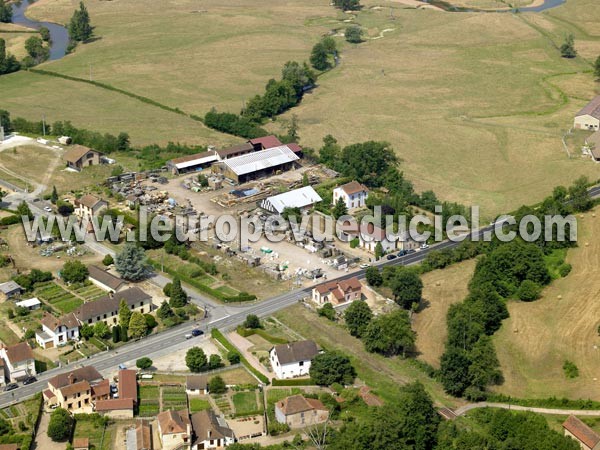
(223, 317)
(562, 412)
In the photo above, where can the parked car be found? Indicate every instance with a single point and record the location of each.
(391, 256)
(122, 366)
(189, 336)
(424, 246)
(197, 332)
(402, 253)
(412, 250)
(11, 387)
(364, 265)
(29, 380)
(47, 209)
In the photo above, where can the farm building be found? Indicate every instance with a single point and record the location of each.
(302, 198)
(298, 411)
(77, 157)
(105, 280)
(258, 164)
(265, 142)
(106, 309)
(10, 289)
(196, 385)
(588, 118)
(235, 151)
(30, 304)
(587, 438)
(192, 163)
(592, 143)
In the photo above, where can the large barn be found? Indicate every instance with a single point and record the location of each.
(588, 118)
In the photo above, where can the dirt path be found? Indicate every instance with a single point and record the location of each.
(243, 345)
(42, 441)
(561, 412)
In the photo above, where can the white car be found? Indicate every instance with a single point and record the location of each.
(424, 246)
(47, 209)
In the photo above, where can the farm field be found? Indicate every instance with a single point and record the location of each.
(535, 341)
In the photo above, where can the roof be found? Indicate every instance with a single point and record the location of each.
(353, 187)
(581, 431)
(19, 352)
(127, 384)
(48, 394)
(207, 425)
(298, 403)
(592, 108)
(9, 446)
(106, 278)
(88, 200)
(195, 159)
(266, 141)
(339, 288)
(143, 435)
(67, 320)
(235, 149)
(173, 422)
(262, 159)
(109, 304)
(296, 351)
(87, 373)
(76, 152)
(294, 147)
(298, 198)
(196, 382)
(101, 389)
(81, 442)
(114, 404)
(79, 386)
(10, 286)
(28, 303)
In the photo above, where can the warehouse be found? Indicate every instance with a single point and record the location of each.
(258, 164)
(192, 163)
(302, 198)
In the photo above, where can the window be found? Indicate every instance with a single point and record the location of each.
(132, 306)
(89, 320)
(301, 363)
(104, 316)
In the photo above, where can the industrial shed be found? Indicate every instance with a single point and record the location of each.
(302, 198)
(191, 163)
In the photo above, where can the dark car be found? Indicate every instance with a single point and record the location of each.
(29, 380)
(402, 253)
(391, 256)
(197, 332)
(10, 387)
(412, 250)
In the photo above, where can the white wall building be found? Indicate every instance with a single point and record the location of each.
(57, 331)
(18, 361)
(292, 360)
(354, 194)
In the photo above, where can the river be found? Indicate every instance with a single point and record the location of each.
(58, 33)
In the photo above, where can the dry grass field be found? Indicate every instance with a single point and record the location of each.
(441, 288)
(538, 337)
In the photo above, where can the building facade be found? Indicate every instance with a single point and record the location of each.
(293, 359)
(57, 331)
(353, 194)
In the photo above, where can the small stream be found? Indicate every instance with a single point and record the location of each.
(448, 6)
(58, 33)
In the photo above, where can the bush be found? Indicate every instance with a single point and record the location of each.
(108, 260)
(564, 269)
(252, 321)
(143, 363)
(327, 311)
(61, 423)
(216, 385)
(529, 291)
(233, 357)
(570, 369)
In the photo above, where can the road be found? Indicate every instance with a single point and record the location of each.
(555, 411)
(221, 316)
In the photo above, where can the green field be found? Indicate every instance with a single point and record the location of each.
(245, 403)
(198, 404)
(59, 298)
(149, 403)
(101, 438)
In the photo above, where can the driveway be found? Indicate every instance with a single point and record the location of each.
(243, 345)
(42, 441)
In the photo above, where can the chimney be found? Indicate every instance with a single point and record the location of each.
(72, 379)
(209, 433)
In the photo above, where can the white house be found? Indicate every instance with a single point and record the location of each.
(298, 411)
(106, 280)
(337, 292)
(292, 360)
(588, 118)
(196, 385)
(89, 205)
(174, 429)
(354, 194)
(57, 331)
(31, 304)
(18, 361)
(210, 431)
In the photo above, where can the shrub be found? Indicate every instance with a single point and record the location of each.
(59, 428)
(108, 260)
(570, 369)
(143, 363)
(216, 385)
(564, 269)
(529, 291)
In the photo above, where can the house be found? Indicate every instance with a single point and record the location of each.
(77, 157)
(293, 359)
(354, 194)
(210, 431)
(19, 362)
(174, 429)
(254, 165)
(192, 163)
(77, 390)
(303, 198)
(30, 304)
(143, 435)
(105, 280)
(298, 411)
(196, 385)
(57, 331)
(588, 118)
(81, 443)
(107, 308)
(337, 292)
(10, 289)
(2, 372)
(592, 143)
(88, 206)
(587, 438)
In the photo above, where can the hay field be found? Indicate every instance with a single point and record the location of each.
(534, 342)
(441, 288)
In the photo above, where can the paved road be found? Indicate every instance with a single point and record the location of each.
(562, 412)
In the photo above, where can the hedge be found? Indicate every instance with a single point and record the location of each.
(219, 337)
(551, 402)
(294, 382)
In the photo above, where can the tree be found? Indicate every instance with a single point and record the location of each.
(86, 331)
(65, 209)
(61, 423)
(151, 322)
(123, 142)
(214, 362)
(5, 12)
(143, 363)
(529, 291)
(319, 57)
(216, 385)
(327, 311)
(108, 260)
(45, 34)
(36, 49)
(252, 321)
(123, 333)
(23, 210)
(354, 34)
(299, 76)
(373, 276)
(80, 29)
(330, 152)
(131, 263)
(579, 195)
(195, 359)
(484, 368)
(234, 357)
(164, 311)
(124, 314)
(101, 329)
(357, 317)
(567, 49)
(347, 5)
(178, 297)
(137, 325)
(389, 334)
(116, 333)
(378, 250)
(74, 272)
(407, 287)
(331, 367)
(454, 371)
(340, 209)
(54, 195)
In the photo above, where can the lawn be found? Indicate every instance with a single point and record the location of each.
(237, 376)
(100, 437)
(245, 403)
(198, 404)
(149, 403)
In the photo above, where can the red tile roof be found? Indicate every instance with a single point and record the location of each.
(266, 142)
(353, 187)
(114, 404)
(19, 352)
(82, 442)
(294, 147)
(581, 431)
(128, 384)
(298, 403)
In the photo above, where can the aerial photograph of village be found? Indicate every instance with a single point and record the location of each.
(300, 224)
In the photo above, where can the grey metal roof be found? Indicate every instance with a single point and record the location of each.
(263, 159)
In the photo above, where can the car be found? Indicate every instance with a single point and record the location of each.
(29, 380)
(122, 367)
(412, 250)
(11, 387)
(391, 256)
(402, 253)
(424, 246)
(47, 209)
(197, 332)
(364, 265)
(189, 336)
